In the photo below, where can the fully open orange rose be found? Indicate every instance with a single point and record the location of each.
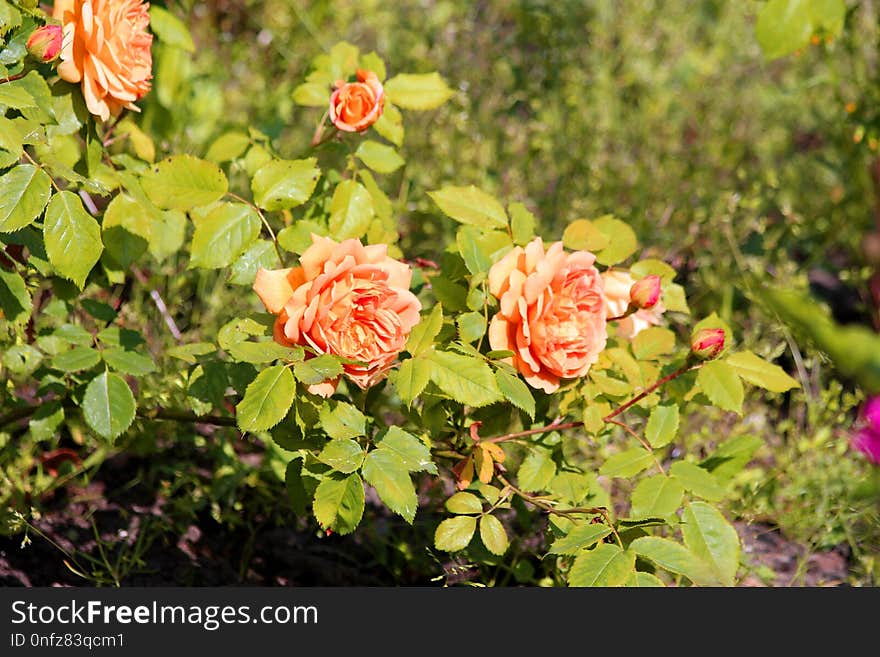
(345, 299)
(107, 49)
(355, 106)
(618, 284)
(552, 313)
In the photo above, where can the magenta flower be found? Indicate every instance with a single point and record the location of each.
(867, 439)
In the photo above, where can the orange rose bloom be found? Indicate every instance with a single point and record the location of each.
(345, 299)
(618, 284)
(355, 106)
(107, 49)
(552, 312)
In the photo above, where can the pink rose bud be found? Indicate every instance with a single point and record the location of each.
(707, 343)
(44, 43)
(646, 292)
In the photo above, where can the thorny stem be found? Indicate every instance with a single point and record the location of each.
(17, 76)
(558, 426)
(565, 513)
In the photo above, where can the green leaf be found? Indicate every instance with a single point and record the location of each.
(645, 580)
(183, 182)
(759, 372)
(339, 503)
(710, 537)
(698, 481)
(126, 229)
(22, 359)
(731, 456)
(10, 18)
(627, 464)
(317, 370)
(72, 237)
(312, 94)
(128, 362)
(582, 536)
(412, 377)
(340, 420)
(536, 471)
(662, 425)
(296, 491)
(372, 62)
(222, 236)
(465, 379)
(77, 359)
(259, 254)
(15, 300)
(783, 26)
(413, 452)
(516, 392)
(285, 184)
(622, 240)
(464, 503)
(651, 266)
(389, 124)
(480, 249)
(454, 534)
(379, 157)
(351, 210)
(522, 223)
(493, 535)
(652, 342)
(421, 338)
(387, 473)
(266, 400)
(604, 565)
(343, 455)
(298, 237)
(675, 558)
(584, 235)
(471, 326)
(228, 146)
(24, 192)
(167, 233)
(423, 91)
(656, 496)
(470, 205)
(170, 29)
(720, 383)
(191, 352)
(108, 405)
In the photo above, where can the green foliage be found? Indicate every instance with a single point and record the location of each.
(611, 480)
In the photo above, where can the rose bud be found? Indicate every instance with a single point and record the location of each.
(707, 343)
(646, 292)
(44, 43)
(355, 106)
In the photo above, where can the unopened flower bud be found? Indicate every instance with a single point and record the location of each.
(707, 343)
(645, 293)
(44, 43)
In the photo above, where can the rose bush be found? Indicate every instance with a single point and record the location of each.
(527, 380)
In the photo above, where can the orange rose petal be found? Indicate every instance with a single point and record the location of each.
(274, 288)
